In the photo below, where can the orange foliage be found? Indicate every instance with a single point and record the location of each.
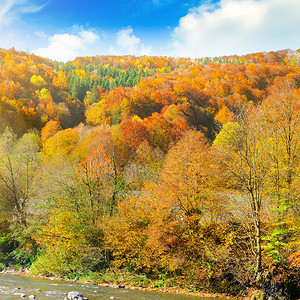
(224, 115)
(51, 128)
(294, 259)
(134, 131)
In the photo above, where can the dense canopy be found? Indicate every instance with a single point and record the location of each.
(183, 172)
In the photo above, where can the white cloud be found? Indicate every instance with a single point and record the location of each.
(10, 10)
(64, 47)
(88, 36)
(127, 40)
(238, 27)
(81, 42)
(128, 43)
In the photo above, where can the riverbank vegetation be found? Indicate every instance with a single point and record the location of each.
(174, 172)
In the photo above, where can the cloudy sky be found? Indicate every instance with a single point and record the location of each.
(64, 29)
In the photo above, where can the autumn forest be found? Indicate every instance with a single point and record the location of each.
(170, 173)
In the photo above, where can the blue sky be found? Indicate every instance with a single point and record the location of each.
(64, 29)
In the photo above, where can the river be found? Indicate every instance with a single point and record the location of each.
(12, 286)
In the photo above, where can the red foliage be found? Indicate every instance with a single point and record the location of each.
(134, 132)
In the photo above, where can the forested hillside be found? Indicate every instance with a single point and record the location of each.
(174, 173)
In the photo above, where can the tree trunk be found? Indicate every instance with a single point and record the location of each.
(258, 248)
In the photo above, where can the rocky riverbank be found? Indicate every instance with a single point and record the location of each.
(122, 282)
(113, 284)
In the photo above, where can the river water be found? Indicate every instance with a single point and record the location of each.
(12, 286)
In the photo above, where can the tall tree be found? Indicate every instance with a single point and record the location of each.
(244, 156)
(282, 120)
(19, 161)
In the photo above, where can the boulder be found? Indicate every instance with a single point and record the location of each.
(20, 294)
(74, 295)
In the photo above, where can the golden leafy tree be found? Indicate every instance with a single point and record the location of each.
(282, 120)
(61, 80)
(186, 202)
(244, 156)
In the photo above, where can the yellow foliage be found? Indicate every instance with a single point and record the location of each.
(136, 118)
(61, 81)
(125, 232)
(80, 73)
(44, 94)
(66, 143)
(37, 80)
(63, 233)
(98, 113)
(228, 136)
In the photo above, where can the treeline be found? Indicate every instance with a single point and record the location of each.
(35, 90)
(189, 176)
